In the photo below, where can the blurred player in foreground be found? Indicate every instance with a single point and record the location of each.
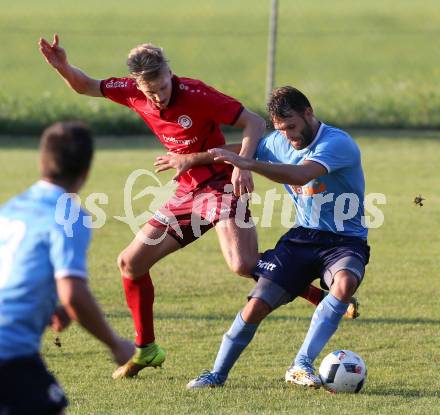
(321, 169)
(185, 114)
(41, 261)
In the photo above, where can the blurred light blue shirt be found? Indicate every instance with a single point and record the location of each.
(34, 251)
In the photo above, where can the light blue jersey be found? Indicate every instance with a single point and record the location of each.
(335, 201)
(34, 251)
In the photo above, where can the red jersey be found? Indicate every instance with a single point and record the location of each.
(189, 124)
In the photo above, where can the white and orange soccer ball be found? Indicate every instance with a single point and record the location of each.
(343, 371)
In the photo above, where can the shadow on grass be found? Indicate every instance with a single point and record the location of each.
(223, 317)
(401, 321)
(403, 393)
(54, 352)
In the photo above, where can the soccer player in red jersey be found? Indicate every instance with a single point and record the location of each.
(185, 115)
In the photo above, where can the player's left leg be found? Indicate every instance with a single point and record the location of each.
(234, 341)
(135, 263)
(265, 297)
(324, 323)
(342, 268)
(268, 294)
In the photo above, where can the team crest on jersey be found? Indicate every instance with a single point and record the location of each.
(184, 121)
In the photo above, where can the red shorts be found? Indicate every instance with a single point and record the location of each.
(188, 214)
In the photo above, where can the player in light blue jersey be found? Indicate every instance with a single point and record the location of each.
(321, 169)
(321, 202)
(43, 262)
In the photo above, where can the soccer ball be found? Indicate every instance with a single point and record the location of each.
(343, 371)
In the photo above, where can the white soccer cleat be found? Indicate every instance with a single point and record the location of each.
(206, 379)
(303, 375)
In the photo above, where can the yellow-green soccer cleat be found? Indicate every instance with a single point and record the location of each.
(150, 356)
(353, 309)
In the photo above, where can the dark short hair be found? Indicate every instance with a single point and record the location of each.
(66, 151)
(286, 99)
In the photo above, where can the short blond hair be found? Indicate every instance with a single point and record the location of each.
(146, 62)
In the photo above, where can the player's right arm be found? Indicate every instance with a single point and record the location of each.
(299, 174)
(76, 79)
(68, 245)
(80, 305)
(183, 162)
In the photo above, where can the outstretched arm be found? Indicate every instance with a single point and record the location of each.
(278, 172)
(76, 79)
(253, 129)
(184, 162)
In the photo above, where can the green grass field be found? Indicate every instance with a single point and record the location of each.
(197, 298)
(361, 63)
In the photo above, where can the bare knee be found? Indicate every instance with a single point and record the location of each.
(128, 267)
(124, 264)
(241, 269)
(344, 285)
(255, 311)
(242, 266)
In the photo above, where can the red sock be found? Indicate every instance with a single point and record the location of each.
(139, 294)
(313, 294)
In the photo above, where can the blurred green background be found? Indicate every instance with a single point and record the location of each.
(362, 64)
